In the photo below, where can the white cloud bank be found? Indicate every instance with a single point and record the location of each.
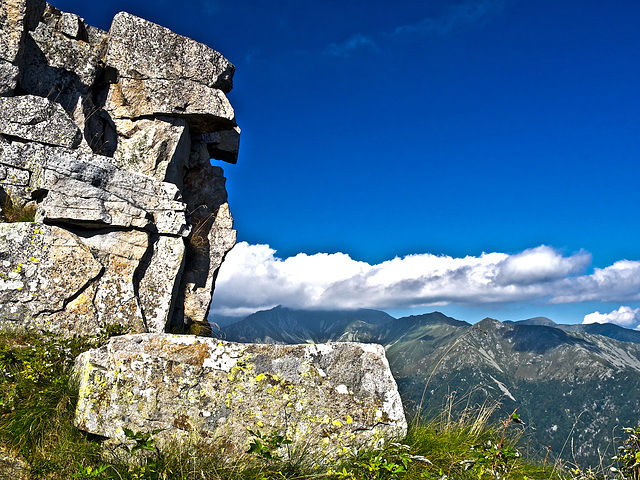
(624, 316)
(254, 278)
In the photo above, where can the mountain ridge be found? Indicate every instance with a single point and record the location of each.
(560, 378)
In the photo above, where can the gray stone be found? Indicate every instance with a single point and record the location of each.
(327, 399)
(13, 466)
(73, 283)
(60, 68)
(116, 298)
(42, 269)
(71, 25)
(222, 145)
(211, 238)
(139, 49)
(157, 147)
(205, 109)
(16, 18)
(162, 73)
(160, 281)
(88, 190)
(38, 119)
(8, 77)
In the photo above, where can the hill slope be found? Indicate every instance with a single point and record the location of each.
(577, 381)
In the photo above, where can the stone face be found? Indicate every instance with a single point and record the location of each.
(57, 66)
(157, 148)
(8, 77)
(88, 190)
(158, 288)
(116, 298)
(211, 238)
(325, 398)
(42, 268)
(205, 109)
(38, 119)
(142, 49)
(16, 18)
(100, 139)
(162, 73)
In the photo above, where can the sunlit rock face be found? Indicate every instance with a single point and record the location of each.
(326, 398)
(110, 136)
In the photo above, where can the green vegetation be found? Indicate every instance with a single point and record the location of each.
(11, 213)
(36, 424)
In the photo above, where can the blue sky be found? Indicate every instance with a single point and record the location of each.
(419, 131)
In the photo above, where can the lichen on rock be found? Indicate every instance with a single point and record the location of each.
(327, 399)
(97, 130)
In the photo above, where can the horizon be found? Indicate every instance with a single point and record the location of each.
(478, 157)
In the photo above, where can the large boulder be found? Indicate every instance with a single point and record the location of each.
(37, 119)
(42, 269)
(326, 399)
(157, 147)
(161, 73)
(59, 66)
(17, 17)
(88, 190)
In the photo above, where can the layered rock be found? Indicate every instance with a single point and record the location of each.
(324, 398)
(110, 135)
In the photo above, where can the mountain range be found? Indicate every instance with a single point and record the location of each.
(575, 386)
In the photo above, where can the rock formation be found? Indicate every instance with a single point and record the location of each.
(110, 136)
(324, 398)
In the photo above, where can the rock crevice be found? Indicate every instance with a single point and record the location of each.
(110, 136)
(98, 132)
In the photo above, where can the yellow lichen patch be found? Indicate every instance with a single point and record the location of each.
(194, 354)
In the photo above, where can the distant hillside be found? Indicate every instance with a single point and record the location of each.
(561, 378)
(543, 321)
(605, 329)
(283, 325)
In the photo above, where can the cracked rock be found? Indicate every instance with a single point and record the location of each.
(326, 398)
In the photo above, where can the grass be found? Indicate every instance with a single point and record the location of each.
(12, 213)
(36, 423)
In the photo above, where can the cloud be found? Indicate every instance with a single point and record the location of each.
(349, 46)
(624, 316)
(467, 13)
(541, 264)
(253, 278)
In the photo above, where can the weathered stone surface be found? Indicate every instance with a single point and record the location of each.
(212, 237)
(142, 49)
(59, 67)
(116, 299)
(88, 190)
(162, 73)
(157, 148)
(42, 269)
(323, 397)
(121, 157)
(8, 77)
(222, 145)
(205, 109)
(203, 263)
(12, 466)
(16, 18)
(159, 286)
(38, 119)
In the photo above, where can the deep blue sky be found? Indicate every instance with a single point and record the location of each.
(382, 129)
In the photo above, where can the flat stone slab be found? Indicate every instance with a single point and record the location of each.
(325, 398)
